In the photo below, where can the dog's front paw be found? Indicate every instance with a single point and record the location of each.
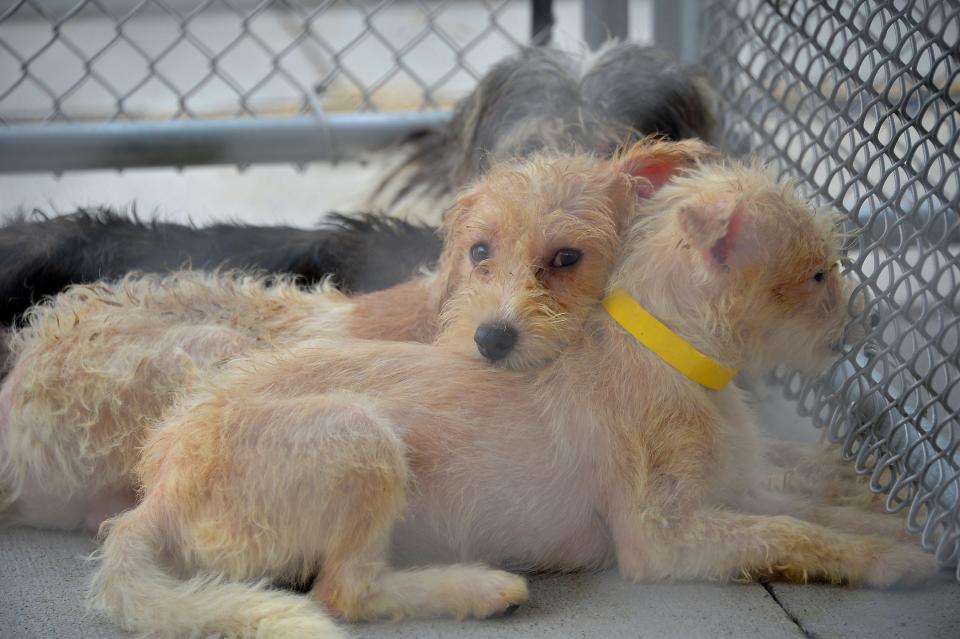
(497, 594)
(899, 565)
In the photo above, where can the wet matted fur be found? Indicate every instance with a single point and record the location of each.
(40, 255)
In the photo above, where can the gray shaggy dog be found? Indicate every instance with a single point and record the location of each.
(546, 99)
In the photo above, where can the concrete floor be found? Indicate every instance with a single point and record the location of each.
(44, 577)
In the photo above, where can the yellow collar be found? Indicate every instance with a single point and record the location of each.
(671, 348)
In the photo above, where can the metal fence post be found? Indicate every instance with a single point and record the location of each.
(541, 22)
(603, 20)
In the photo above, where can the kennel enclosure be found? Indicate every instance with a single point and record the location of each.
(856, 99)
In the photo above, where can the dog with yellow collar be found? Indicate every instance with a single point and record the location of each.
(630, 448)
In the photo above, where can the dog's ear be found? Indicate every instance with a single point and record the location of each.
(654, 161)
(718, 228)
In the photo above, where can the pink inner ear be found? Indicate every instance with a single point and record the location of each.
(656, 174)
(722, 248)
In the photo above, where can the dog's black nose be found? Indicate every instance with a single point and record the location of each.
(495, 341)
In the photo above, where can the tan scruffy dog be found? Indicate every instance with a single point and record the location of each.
(95, 367)
(314, 460)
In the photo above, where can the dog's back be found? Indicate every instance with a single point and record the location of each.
(40, 256)
(634, 90)
(542, 99)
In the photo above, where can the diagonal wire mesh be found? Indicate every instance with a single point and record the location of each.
(859, 99)
(121, 60)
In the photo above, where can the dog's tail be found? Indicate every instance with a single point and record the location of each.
(132, 587)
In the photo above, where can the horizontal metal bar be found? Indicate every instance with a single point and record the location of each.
(119, 145)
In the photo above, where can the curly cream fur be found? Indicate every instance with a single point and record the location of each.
(319, 456)
(95, 366)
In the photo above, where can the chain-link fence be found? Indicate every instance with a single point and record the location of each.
(119, 60)
(859, 99)
(300, 77)
(123, 83)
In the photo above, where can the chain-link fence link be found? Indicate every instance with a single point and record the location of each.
(859, 100)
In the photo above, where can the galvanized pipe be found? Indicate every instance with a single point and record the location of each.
(62, 147)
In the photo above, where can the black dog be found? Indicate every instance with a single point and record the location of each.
(535, 99)
(41, 256)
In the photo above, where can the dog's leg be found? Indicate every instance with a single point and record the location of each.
(848, 518)
(804, 465)
(324, 477)
(723, 545)
(817, 472)
(362, 586)
(356, 581)
(313, 482)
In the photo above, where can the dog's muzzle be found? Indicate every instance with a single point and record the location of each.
(495, 341)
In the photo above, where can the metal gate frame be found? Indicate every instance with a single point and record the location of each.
(314, 136)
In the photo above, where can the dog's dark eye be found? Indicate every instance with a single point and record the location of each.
(479, 252)
(566, 257)
(819, 277)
